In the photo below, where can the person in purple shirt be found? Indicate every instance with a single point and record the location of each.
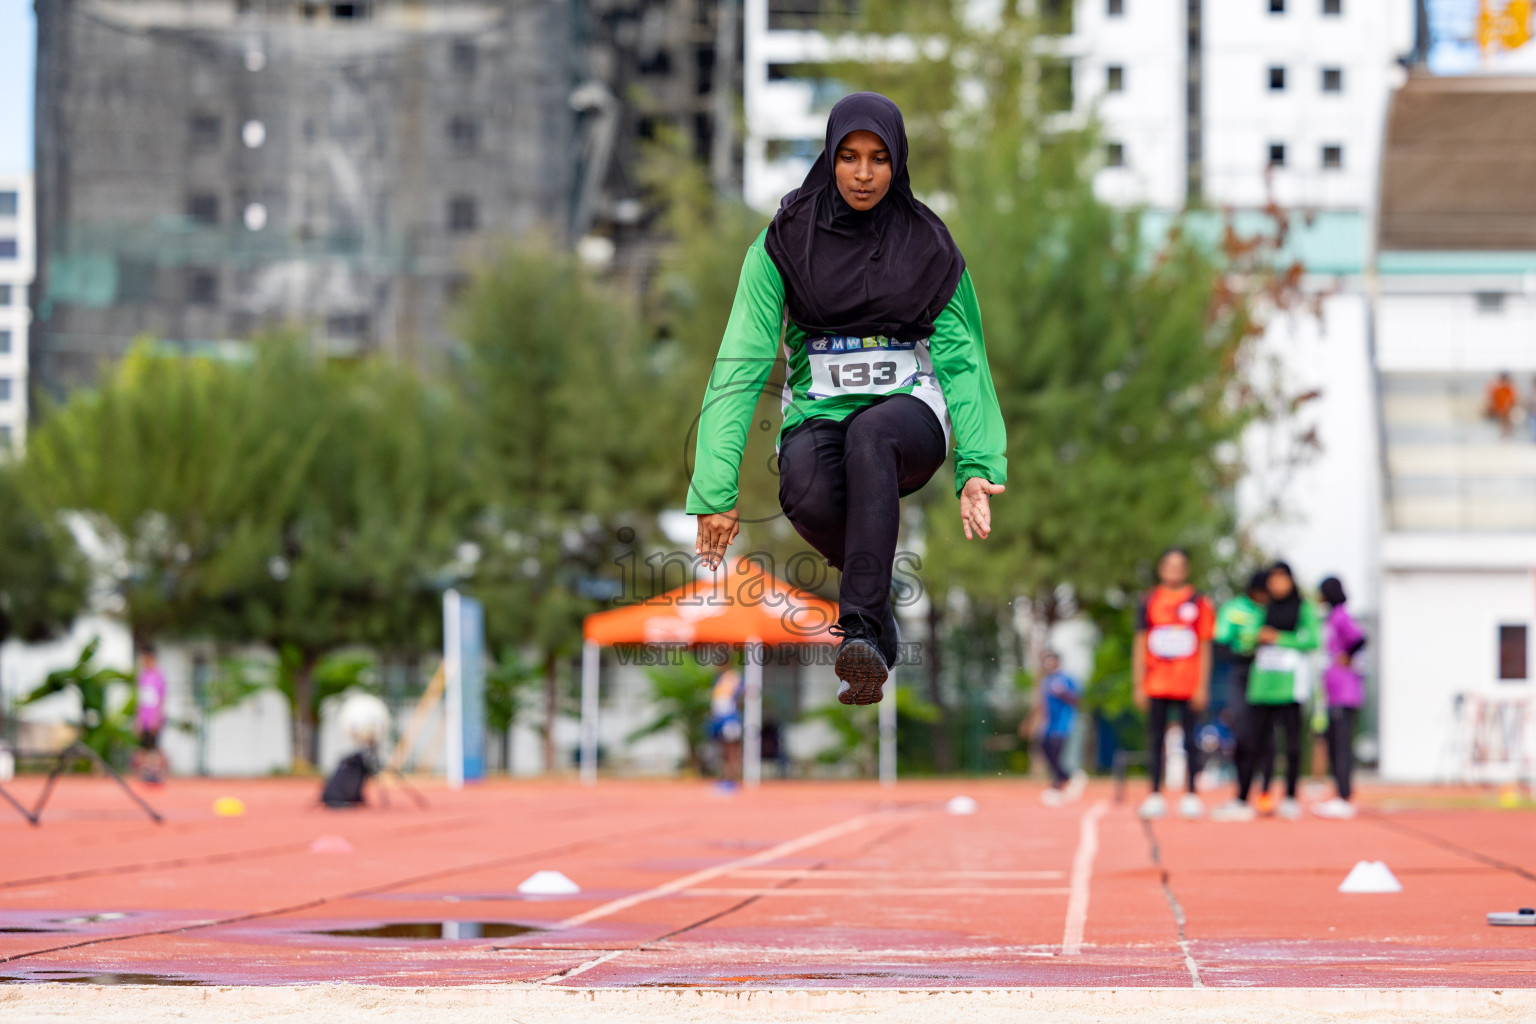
(149, 717)
(1345, 692)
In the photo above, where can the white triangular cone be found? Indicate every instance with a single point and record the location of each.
(1370, 876)
(961, 805)
(548, 883)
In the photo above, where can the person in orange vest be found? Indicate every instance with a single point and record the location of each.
(1502, 399)
(1171, 672)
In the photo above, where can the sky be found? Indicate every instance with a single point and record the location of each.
(16, 51)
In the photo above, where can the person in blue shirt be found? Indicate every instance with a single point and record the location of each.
(1060, 696)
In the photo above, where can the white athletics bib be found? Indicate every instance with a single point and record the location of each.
(860, 366)
(1289, 660)
(1276, 659)
(1172, 642)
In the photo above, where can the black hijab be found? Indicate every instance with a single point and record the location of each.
(1284, 613)
(1258, 583)
(887, 271)
(1332, 590)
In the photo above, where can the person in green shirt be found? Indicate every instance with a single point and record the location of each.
(1281, 680)
(863, 291)
(1238, 623)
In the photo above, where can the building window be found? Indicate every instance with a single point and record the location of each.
(658, 63)
(1276, 6)
(1055, 86)
(1512, 652)
(203, 208)
(348, 325)
(462, 215)
(5, 398)
(1114, 154)
(462, 56)
(10, 202)
(1116, 8)
(349, 12)
(205, 131)
(1489, 302)
(1276, 79)
(5, 295)
(1277, 154)
(1056, 17)
(1333, 6)
(1333, 79)
(7, 248)
(464, 135)
(1333, 157)
(1114, 79)
(203, 288)
(5, 343)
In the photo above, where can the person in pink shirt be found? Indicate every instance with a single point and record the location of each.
(149, 717)
(1345, 691)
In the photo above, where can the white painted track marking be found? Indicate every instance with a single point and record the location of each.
(1082, 875)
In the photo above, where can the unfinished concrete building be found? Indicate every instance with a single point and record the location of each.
(213, 167)
(675, 67)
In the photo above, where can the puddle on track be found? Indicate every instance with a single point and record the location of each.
(33, 931)
(429, 930)
(82, 978)
(70, 924)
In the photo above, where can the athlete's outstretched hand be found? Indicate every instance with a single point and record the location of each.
(716, 531)
(976, 507)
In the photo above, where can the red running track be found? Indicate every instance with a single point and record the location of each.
(802, 885)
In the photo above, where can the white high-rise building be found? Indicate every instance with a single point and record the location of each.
(1197, 99)
(786, 104)
(1208, 99)
(1299, 88)
(18, 264)
(1129, 68)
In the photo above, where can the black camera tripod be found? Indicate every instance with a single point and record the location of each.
(70, 753)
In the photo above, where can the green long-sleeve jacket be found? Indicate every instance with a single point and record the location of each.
(1282, 671)
(1238, 622)
(833, 377)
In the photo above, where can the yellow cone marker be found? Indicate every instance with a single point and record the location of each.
(229, 807)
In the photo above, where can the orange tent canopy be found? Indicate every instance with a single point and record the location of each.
(741, 601)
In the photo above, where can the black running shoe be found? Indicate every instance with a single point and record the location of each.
(860, 665)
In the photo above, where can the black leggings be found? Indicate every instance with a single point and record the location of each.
(1053, 747)
(1157, 720)
(1261, 720)
(1341, 751)
(840, 484)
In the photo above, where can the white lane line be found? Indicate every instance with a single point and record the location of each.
(860, 892)
(582, 968)
(1042, 876)
(784, 849)
(1082, 874)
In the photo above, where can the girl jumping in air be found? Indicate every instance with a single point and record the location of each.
(867, 296)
